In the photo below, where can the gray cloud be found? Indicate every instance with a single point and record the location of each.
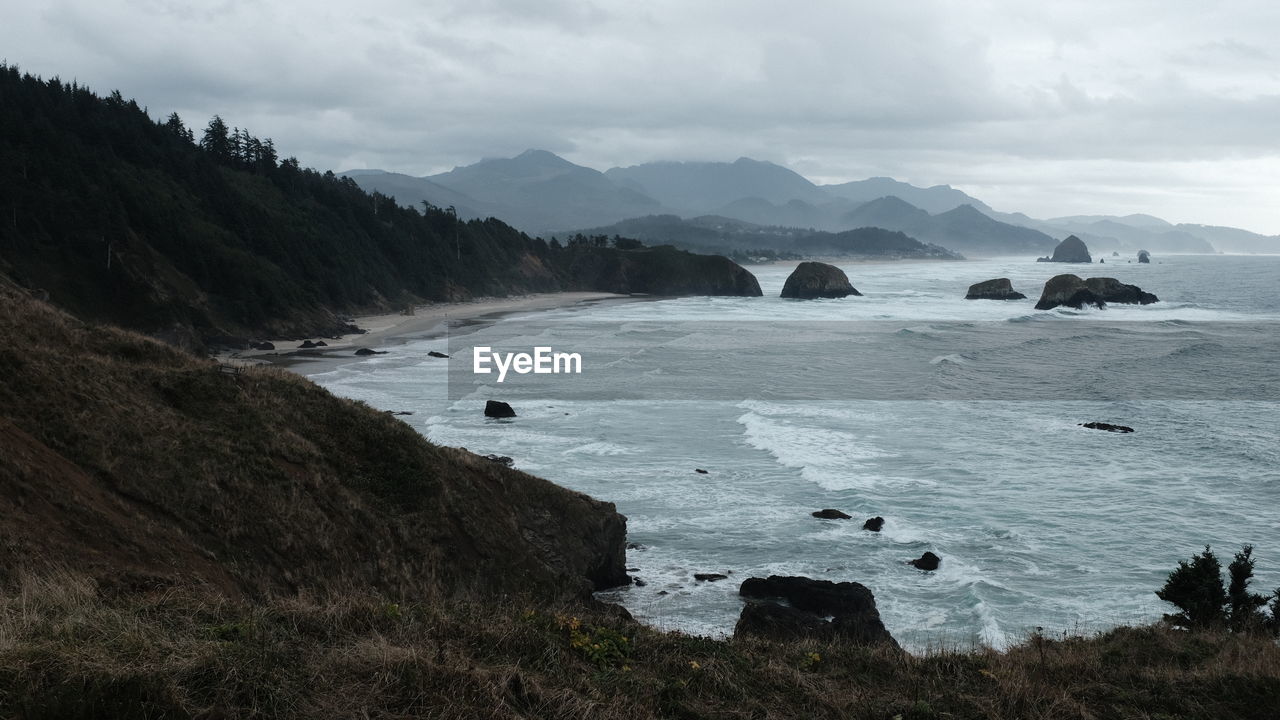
(1166, 107)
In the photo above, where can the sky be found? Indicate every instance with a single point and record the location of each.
(1165, 107)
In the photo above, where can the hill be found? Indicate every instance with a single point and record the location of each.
(933, 200)
(122, 219)
(136, 464)
(721, 234)
(538, 191)
(702, 187)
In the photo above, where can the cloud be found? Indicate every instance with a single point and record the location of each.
(1024, 102)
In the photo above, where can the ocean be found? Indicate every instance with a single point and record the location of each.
(957, 421)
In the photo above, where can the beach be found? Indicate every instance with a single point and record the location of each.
(427, 321)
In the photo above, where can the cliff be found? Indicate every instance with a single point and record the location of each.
(141, 466)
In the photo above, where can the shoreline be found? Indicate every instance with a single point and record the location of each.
(427, 321)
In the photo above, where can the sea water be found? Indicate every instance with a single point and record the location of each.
(955, 420)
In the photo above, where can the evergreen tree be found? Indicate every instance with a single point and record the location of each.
(216, 140)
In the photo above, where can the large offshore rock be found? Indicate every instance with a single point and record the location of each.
(817, 280)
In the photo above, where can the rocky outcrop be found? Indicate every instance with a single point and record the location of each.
(1144, 257)
(709, 577)
(498, 409)
(661, 270)
(435, 354)
(874, 524)
(998, 289)
(1071, 250)
(364, 352)
(831, 514)
(1107, 426)
(788, 607)
(1075, 292)
(927, 561)
(817, 280)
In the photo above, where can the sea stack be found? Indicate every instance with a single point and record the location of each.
(498, 409)
(791, 607)
(1144, 257)
(998, 289)
(1076, 292)
(817, 280)
(1071, 250)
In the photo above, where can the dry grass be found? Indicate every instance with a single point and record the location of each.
(67, 651)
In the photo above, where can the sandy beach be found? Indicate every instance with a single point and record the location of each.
(427, 321)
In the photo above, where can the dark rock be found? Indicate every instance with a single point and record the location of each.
(500, 459)
(1107, 426)
(636, 546)
(498, 409)
(1071, 250)
(1076, 292)
(264, 345)
(306, 345)
(817, 280)
(1102, 261)
(638, 582)
(927, 561)
(873, 524)
(998, 289)
(830, 514)
(435, 354)
(402, 412)
(1144, 257)
(367, 351)
(321, 343)
(709, 577)
(700, 471)
(1115, 254)
(786, 607)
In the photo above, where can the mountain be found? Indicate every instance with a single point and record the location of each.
(933, 200)
(121, 219)
(887, 212)
(1136, 220)
(413, 191)
(539, 191)
(703, 187)
(963, 229)
(1229, 239)
(727, 235)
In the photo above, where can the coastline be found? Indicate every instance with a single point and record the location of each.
(428, 321)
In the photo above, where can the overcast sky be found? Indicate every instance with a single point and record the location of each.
(1165, 107)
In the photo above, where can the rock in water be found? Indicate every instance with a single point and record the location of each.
(873, 524)
(709, 577)
(927, 561)
(1107, 426)
(307, 345)
(998, 289)
(831, 514)
(817, 280)
(1071, 250)
(788, 607)
(498, 409)
(1144, 257)
(366, 351)
(1076, 292)
(435, 354)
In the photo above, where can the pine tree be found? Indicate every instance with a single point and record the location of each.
(216, 140)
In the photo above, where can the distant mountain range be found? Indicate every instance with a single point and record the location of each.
(544, 194)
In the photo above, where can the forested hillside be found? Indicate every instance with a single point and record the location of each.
(194, 236)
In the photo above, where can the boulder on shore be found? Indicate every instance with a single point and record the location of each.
(997, 289)
(1071, 250)
(366, 351)
(874, 524)
(498, 409)
(927, 561)
(1144, 257)
(817, 280)
(307, 345)
(1076, 292)
(788, 607)
(831, 514)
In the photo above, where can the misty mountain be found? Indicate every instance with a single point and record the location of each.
(721, 234)
(412, 191)
(700, 187)
(963, 229)
(1229, 239)
(933, 200)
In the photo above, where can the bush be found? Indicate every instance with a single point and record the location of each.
(1196, 589)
